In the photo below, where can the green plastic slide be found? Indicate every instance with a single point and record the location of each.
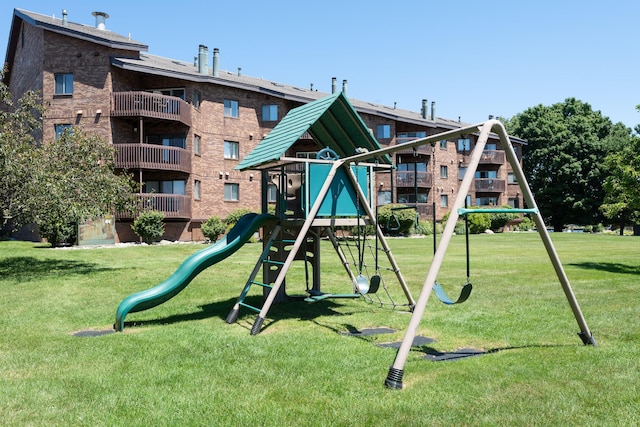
(191, 267)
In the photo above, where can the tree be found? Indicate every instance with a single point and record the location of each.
(622, 185)
(75, 180)
(563, 161)
(20, 123)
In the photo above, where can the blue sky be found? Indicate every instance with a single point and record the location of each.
(473, 58)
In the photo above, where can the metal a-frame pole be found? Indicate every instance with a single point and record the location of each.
(584, 334)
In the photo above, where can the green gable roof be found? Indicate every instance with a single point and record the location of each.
(331, 121)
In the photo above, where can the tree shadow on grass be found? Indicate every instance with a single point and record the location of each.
(25, 269)
(610, 267)
(290, 310)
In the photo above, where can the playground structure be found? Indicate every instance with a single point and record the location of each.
(316, 196)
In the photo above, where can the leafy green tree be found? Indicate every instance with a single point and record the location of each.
(20, 124)
(622, 185)
(563, 160)
(75, 180)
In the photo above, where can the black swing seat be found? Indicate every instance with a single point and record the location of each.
(443, 297)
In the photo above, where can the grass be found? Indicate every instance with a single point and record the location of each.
(181, 364)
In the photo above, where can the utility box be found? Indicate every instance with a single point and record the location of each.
(98, 231)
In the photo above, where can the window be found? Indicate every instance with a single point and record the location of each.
(179, 141)
(486, 201)
(231, 192)
(511, 178)
(306, 154)
(270, 113)
(384, 131)
(59, 130)
(230, 108)
(444, 200)
(196, 190)
(197, 98)
(486, 174)
(384, 197)
(272, 193)
(514, 203)
(64, 84)
(490, 147)
(462, 170)
(178, 93)
(444, 172)
(231, 150)
(165, 187)
(464, 144)
(443, 144)
(196, 145)
(410, 136)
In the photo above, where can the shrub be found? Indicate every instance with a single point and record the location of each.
(57, 231)
(398, 221)
(234, 216)
(149, 226)
(479, 223)
(527, 224)
(499, 220)
(212, 228)
(424, 228)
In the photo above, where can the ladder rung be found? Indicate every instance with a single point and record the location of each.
(264, 285)
(256, 309)
(270, 261)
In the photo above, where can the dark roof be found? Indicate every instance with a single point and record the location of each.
(331, 121)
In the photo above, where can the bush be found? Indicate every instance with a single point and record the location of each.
(57, 232)
(212, 228)
(479, 223)
(149, 226)
(527, 224)
(234, 216)
(424, 228)
(396, 222)
(499, 220)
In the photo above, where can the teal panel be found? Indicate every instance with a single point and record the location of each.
(341, 199)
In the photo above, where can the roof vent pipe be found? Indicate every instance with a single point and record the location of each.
(203, 59)
(101, 17)
(239, 71)
(216, 61)
(64, 17)
(344, 87)
(433, 110)
(423, 111)
(334, 84)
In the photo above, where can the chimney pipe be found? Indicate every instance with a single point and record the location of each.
(433, 110)
(334, 83)
(425, 107)
(203, 59)
(490, 116)
(64, 17)
(344, 87)
(216, 61)
(239, 71)
(101, 17)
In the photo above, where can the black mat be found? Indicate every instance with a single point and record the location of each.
(418, 341)
(369, 331)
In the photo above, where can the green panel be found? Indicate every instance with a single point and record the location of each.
(341, 199)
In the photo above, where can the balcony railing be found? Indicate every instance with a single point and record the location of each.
(411, 179)
(492, 157)
(421, 149)
(151, 156)
(489, 185)
(175, 206)
(146, 104)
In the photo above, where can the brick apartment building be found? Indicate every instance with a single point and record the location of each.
(181, 128)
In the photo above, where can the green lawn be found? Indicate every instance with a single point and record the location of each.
(182, 364)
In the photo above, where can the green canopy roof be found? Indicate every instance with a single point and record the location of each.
(331, 121)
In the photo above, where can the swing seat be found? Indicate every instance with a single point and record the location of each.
(315, 296)
(442, 295)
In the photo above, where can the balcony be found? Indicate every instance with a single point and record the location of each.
(421, 149)
(152, 105)
(173, 206)
(410, 179)
(489, 185)
(492, 157)
(151, 156)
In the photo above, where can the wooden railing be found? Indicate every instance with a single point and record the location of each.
(146, 104)
(493, 157)
(422, 149)
(151, 156)
(406, 179)
(489, 185)
(172, 205)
